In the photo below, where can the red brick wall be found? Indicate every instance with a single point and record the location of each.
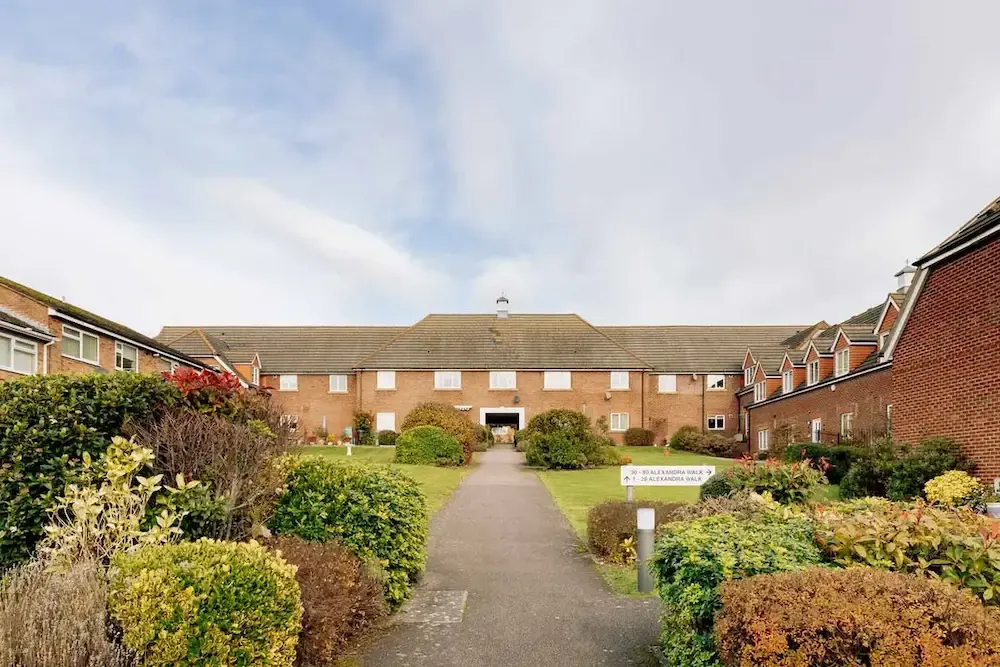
(946, 365)
(890, 319)
(691, 405)
(866, 396)
(313, 401)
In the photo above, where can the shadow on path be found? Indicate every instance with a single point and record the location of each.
(502, 548)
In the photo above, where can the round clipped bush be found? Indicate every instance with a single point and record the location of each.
(716, 486)
(858, 616)
(955, 487)
(387, 438)
(341, 596)
(611, 528)
(205, 602)
(428, 445)
(444, 416)
(376, 511)
(639, 437)
(686, 438)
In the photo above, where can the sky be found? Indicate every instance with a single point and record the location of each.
(637, 162)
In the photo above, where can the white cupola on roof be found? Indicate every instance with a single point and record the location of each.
(904, 278)
(502, 311)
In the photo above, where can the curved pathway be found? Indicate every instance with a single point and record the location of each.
(502, 553)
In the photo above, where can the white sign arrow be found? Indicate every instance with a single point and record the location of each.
(665, 475)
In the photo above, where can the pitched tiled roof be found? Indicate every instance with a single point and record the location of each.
(96, 320)
(519, 342)
(287, 349)
(771, 358)
(19, 323)
(859, 333)
(982, 221)
(800, 338)
(898, 298)
(697, 349)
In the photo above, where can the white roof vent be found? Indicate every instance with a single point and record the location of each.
(502, 312)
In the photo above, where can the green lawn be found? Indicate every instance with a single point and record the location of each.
(438, 483)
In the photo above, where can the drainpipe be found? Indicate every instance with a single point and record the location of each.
(642, 401)
(704, 381)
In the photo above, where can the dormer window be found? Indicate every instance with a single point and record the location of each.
(843, 366)
(759, 392)
(787, 382)
(748, 376)
(812, 372)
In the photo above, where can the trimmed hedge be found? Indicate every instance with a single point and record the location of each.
(198, 603)
(47, 424)
(341, 596)
(859, 616)
(387, 438)
(378, 512)
(693, 558)
(692, 439)
(428, 445)
(611, 529)
(564, 439)
(639, 437)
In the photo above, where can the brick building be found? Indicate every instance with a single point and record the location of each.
(501, 368)
(945, 351)
(41, 335)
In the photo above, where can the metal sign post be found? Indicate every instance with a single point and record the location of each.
(645, 521)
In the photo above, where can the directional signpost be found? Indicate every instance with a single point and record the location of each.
(633, 476)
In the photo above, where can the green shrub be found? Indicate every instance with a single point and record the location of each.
(611, 528)
(484, 438)
(715, 486)
(838, 457)
(859, 616)
(47, 423)
(387, 438)
(686, 439)
(364, 430)
(570, 423)
(868, 475)
(341, 596)
(449, 418)
(428, 445)
(955, 488)
(198, 603)
(639, 437)
(564, 439)
(378, 512)
(923, 463)
(555, 451)
(788, 483)
(955, 545)
(744, 505)
(692, 439)
(693, 558)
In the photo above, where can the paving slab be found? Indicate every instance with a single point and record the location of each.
(503, 559)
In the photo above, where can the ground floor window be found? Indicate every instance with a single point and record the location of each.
(619, 421)
(763, 440)
(291, 421)
(847, 425)
(385, 421)
(717, 423)
(126, 357)
(816, 430)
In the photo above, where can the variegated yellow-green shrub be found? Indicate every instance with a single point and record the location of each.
(207, 603)
(955, 487)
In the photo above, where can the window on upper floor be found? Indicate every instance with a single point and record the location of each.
(126, 357)
(812, 372)
(760, 391)
(715, 382)
(619, 379)
(843, 365)
(447, 379)
(883, 338)
(748, 376)
(18, 355)
(385, 380)
(558, 380)
(288, 382)
(338, 384)
(847, 425)
(717, 422)
(619, 421)
(787, 382)
(666, 384)
(80, 345)
(503, 379)
(256, 376)
(763, 440)
(816, 430)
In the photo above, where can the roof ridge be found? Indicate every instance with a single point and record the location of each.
(360, 363)
(616, 343)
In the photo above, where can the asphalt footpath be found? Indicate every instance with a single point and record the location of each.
(507, 586)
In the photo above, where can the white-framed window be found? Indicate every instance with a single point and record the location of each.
(748, 376)
(291, 421)
(288, 382)
(883, 338)
(503, 379)
(385, 379)
(171, 365)
(715, 382)
(619, 379)
(558, 380)
(255, 376)
(812, 372)
(717, 422)
(18, 355)
(666, 384)
(816, 430)
(338, 384)
(847, 425)
(619, 421)
(80, 345)
(126, 357)
(843, 366)
(763, 440)
(447, 379)
(760, 391)
(787, 381)
(385, 421)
